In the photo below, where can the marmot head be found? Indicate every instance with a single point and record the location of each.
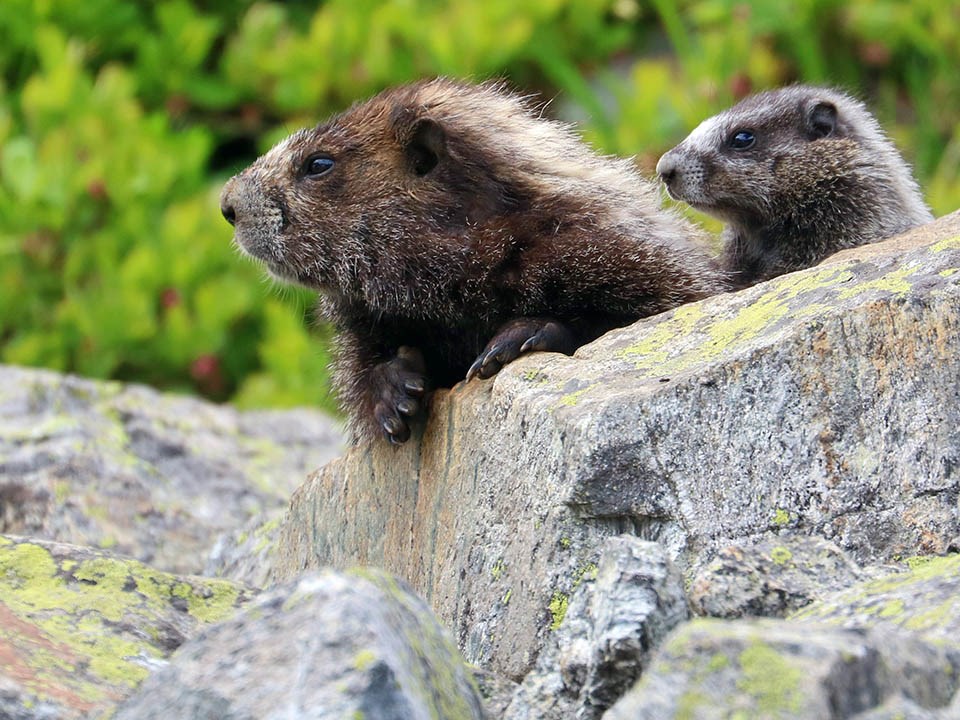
(786, 152)
(321, 205)
(408, 176)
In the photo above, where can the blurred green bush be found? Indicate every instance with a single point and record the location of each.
(119, 122)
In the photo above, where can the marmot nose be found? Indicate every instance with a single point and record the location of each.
(229, 214)
(667, 168)
(227, 207)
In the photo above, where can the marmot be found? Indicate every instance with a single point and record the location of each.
(797, 174)
(450, 228)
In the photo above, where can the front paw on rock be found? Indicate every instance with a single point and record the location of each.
(518, 336)
(399, 386)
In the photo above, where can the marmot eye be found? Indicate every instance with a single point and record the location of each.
(317, 166)
(742, 139)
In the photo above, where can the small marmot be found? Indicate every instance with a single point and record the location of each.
(450, 228)
(797, 174)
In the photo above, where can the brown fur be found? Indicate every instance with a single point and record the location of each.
(456, 222)
(820, 176)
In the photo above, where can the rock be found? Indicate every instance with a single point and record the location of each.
(899, 708)
(618, 614)
(154, 476)
(246, 555)
(80, 629)
(496, 691)
(770, 576)
(330, 645)
(885, 648)
(824, 402)
(925, 601)
(782, 669)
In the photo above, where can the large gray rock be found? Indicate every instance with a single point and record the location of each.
(713, 670)
(823, 402)
(330, 645)
(771, 576)
(151, 475)
(900, 708)
(79, 628)
(247, 553)
(618, 614)
(925, 601)
(886, 647)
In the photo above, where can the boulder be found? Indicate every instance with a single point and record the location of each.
(246, 554)
(495, 690)
(604, 635)
(329, 645)
(774, 668)
(924, 601)
(824, 402)
(151, 475)
(80, 629)
(771, 576)
(883, 648)
(899, 708)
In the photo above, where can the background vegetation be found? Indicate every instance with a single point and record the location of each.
(119, 122)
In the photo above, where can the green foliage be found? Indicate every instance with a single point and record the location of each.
(119, 122)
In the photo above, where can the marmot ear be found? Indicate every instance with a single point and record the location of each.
(422, 141)
(821, 120)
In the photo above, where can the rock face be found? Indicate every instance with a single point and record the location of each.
(824, 402)
(776, 669)
(246, 554)
(618, 614)
(770, 576)
(884, 646)
(79, 629)
(154, 476)
(327, 646)
(925, 601)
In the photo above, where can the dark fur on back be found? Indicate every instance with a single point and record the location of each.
(449, 211)
(819, 176)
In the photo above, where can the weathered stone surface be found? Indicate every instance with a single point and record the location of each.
(246, 554)
(496, 691)
(330, 645)
(771, 576)
(618, 614)
(925, 601)
(146, 474)
(825, 402)
(899, 708)
(80, 629)
(713, 669)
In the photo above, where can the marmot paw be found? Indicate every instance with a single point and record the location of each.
(398, 387)
(517, 337)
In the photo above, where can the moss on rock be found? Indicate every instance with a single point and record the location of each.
(83, 627)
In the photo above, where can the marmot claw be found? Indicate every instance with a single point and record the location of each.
(517, 337)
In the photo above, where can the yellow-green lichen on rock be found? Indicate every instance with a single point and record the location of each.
(558, 609)
(692, 337)
(153, 476)
(329, 644)
(781, 555)
(81, 627)
(773, 668)
(781, 517)
(925, 599)
(771, 679)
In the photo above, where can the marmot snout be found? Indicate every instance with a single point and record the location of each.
(797, 174)
(449, 228)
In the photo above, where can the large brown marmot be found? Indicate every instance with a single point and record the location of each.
(797, 174)
(450, 228)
